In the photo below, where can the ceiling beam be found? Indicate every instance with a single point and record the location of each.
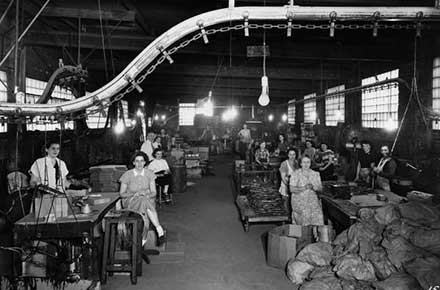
(305, 50)
(115, 15)
(192, 94)
(225, 82)
(128, 41)
(286, 73)
(140, 19)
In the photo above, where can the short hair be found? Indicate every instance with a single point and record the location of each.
(366, 142)
(52, 142)
(294, 150)
(305, 156)
(139, 154)
(155, 138)
(388, 147)
(155, 151)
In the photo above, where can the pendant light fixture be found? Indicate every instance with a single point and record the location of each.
(264, 99)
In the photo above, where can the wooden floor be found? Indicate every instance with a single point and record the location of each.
(208, 248)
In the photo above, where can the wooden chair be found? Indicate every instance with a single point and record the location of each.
(122, 253)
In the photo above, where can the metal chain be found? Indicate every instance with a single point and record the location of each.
(195, 37)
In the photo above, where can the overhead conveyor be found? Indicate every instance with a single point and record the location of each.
(129, 79)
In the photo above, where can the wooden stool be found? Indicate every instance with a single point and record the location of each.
(128, 258)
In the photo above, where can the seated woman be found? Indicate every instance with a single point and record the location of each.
(262, 155)
(310, 150)
(157, 143)
(286, 170)
(325, 163)
(138, 193)
(163, 173)
(306, 207)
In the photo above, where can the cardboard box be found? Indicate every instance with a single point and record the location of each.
(284, 242)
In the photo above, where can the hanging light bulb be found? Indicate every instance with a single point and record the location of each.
(139, 113)
(270, 117)
(156, 117)
(234, 112)
(284, 117)
(264, 99)
(119, 128)
(133, 122)
(163, 117)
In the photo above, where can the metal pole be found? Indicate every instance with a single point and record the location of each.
(6, 11)
(17, 28)
(79, 41)
(24, 33)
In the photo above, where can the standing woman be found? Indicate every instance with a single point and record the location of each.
(282, 146)
(138, 193)
(286, 170)
(50, 170)
(306, 207)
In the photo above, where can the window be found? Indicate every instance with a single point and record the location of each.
(436, 91)
(335, 106)
(310, 109)
(380, 104)
(291, 112)
(34, 90)
(3, 98)
(187, 111)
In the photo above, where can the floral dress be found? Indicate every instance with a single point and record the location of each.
(306, 207)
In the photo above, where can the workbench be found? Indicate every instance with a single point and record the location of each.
(81, 230)
(343, 212)
(248, 215)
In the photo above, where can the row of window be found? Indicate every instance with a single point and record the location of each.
(35, 88)
(379, 104)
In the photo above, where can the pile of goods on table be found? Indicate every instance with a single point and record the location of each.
(265, 199)
(395, 247)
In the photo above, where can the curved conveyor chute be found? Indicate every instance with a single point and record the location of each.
(300, 13)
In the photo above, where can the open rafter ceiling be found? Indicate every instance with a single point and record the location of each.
(295, 67)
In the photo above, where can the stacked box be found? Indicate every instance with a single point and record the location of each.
(106, 177)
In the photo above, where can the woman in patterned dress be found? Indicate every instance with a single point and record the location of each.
(138, 193)
(306, 207)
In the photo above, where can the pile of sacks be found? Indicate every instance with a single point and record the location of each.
(396, 247)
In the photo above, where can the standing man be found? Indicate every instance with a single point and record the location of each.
(147, 146)
(385, 169)
(366, 162)
(165, 140)
(244, 136)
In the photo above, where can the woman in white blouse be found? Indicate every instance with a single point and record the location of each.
(163, 173)
(50, 170)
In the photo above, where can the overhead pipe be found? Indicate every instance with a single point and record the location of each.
(226, 15)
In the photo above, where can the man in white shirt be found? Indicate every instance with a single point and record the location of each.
(147, 146)
(244, 136)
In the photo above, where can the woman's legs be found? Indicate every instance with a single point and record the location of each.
(154, 218)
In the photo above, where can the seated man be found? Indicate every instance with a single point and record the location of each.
(160, 167)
